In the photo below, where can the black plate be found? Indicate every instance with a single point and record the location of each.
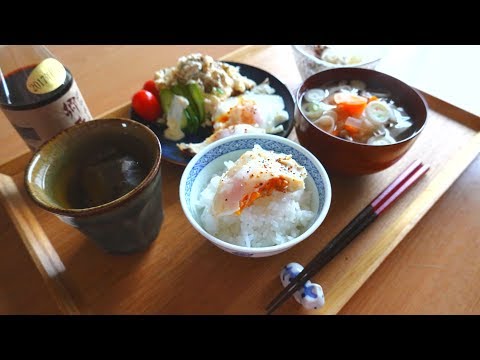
(172, 153)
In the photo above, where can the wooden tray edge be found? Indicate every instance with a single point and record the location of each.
(350, 282)
(46, 259)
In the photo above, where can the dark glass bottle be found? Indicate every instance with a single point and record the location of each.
(38, 95)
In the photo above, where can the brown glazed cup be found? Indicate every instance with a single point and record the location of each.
(103, 178)
(350, 158)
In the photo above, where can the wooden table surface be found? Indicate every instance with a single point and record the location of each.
(434, 270)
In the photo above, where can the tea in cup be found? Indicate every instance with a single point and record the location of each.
(103, 178)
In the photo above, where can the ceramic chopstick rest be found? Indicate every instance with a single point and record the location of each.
(310, 296)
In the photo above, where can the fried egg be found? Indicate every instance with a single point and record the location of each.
(256, 174)
(260, 110)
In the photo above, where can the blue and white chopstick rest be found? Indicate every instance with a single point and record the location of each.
(310, 296)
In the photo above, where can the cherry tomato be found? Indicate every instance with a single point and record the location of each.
(150, 86)
(146, 105)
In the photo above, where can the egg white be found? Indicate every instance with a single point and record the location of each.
(262, 110)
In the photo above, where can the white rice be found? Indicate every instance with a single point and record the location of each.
(269, 221)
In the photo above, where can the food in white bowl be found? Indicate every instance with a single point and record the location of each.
(259, 200)
(256, 194)
(336, 56)
(311, 59)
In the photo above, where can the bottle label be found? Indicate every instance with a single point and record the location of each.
(36, 126)
(47, 76)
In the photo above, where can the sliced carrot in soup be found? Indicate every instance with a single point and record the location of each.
(351, 104)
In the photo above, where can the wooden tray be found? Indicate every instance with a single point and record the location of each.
(182, 273)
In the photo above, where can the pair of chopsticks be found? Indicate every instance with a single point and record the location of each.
(387, 197)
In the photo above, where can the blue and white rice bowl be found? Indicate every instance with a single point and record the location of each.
(210, 161)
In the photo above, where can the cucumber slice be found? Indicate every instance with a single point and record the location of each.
(192, 118)
(198, 100)
(189, 128)
(166, 96)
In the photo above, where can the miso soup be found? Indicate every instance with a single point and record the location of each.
(353, 112)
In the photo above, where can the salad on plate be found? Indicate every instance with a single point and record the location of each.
(201, 100)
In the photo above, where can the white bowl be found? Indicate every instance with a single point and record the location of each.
(211, 160)
(308, 64)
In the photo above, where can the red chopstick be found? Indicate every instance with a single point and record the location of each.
(387, 197)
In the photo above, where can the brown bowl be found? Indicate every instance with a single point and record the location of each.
(350, 158)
